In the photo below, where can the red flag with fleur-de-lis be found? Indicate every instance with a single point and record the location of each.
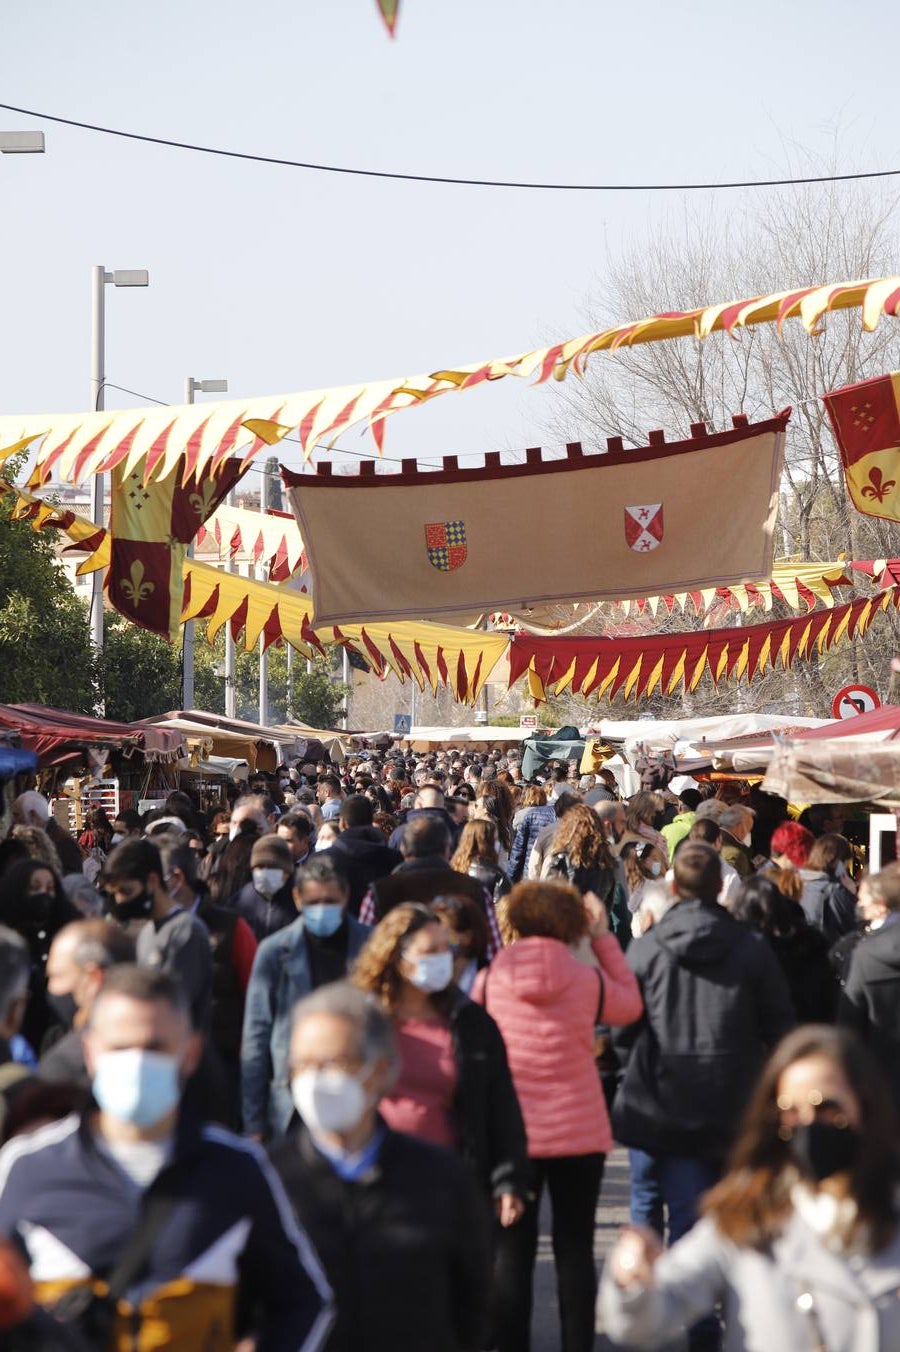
(866, 421)
(151, 526)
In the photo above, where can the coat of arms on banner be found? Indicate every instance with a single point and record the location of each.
(644, 526)
(446, 544)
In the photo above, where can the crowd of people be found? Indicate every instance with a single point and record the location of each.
(299, 1073)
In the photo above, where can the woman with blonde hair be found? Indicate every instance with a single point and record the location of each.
(476, 855)
(532, 796)
(547, 1005)
(454, 1086)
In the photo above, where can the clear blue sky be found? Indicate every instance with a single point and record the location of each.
(284, 280)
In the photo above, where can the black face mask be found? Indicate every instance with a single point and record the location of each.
(822, 1149)
(136, 908)
(64, 1007)
(39, 910)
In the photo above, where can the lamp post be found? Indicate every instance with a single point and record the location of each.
(192, 387)
(100, 279)
(22, 143)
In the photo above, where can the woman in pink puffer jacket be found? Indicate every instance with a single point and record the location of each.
(547, 1004)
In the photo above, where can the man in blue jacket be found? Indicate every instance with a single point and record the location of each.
(184, 1222)
(320, 946)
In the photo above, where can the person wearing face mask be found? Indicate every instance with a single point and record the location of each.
(81, 956)
(870, 1001)
(33, 903)
(266, 901)
(318, 947)
(715, 1002)
(397, 1222)
(454, 1088)
(800, 1241)
(169, 937)
(188, 1240)
(232, 948)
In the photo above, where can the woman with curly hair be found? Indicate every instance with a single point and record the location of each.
(454, 1087)
(476, 855)
(547, 1005)
(580, 855)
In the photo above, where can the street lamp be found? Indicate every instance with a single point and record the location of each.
(100, 279)
(22, 143)
(192, 387)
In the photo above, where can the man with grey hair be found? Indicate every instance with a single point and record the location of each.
(32, 809)
(80, 957)
(735, 822)
(397, 1222)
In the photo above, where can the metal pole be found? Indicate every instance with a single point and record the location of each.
(98, 378)
(187, 631)
(345, 677)
(263, 668)
(290, 681)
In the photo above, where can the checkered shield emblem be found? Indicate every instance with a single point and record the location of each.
(445, 542)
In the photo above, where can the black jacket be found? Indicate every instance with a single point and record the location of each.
(828, 905)
(491, 877)
(364, 855)
(715, 1001)
(492, 1130)
(803, 957)
(405, 1247)
(265, 916)
(423, 880)
(870, 1000)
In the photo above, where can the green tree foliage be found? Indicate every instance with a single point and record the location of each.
(45, 650)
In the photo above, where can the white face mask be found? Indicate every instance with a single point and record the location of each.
(136, 1086)
(329, 1100)
(268, 881)
(432, 972)
(116, 837)
(234, 831)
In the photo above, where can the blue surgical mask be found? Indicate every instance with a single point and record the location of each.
(323, 918)
(136, 1086)
(433, 972)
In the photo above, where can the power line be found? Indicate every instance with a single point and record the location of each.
(443, 178)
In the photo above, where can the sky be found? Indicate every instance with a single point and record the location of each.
(281, 279)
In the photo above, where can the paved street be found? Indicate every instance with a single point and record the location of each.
(611, 1215)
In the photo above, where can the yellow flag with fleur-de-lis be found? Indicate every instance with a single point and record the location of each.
(866, 421)
(151, 525)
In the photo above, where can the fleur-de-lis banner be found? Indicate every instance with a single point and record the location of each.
(151, 526)
(866, 422)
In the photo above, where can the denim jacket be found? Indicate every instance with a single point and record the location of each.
(280, 977)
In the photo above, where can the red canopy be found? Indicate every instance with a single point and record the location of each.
(55, 734)
(885, 721)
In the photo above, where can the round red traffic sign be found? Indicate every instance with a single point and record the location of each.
(853, 700)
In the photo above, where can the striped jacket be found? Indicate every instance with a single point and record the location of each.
(230, 1237)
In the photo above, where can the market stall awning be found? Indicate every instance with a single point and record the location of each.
(839, 770)
(881, 725)
(54, 734)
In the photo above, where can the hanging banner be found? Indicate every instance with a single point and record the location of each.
(151, 526)
(686, 514)
(866, 421)
(76, 445)
(636, 667)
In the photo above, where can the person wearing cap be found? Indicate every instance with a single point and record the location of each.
(318, 947)
(266, 902)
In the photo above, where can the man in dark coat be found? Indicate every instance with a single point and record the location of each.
(715, 1003)
(870, 1001)
(397, 1222)
(361, 848)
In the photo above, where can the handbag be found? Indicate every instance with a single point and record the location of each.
(92, 1314)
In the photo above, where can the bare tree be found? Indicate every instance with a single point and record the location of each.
(785, 238)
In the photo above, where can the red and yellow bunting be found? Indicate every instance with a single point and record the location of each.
(75, 445)
(638, 667)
